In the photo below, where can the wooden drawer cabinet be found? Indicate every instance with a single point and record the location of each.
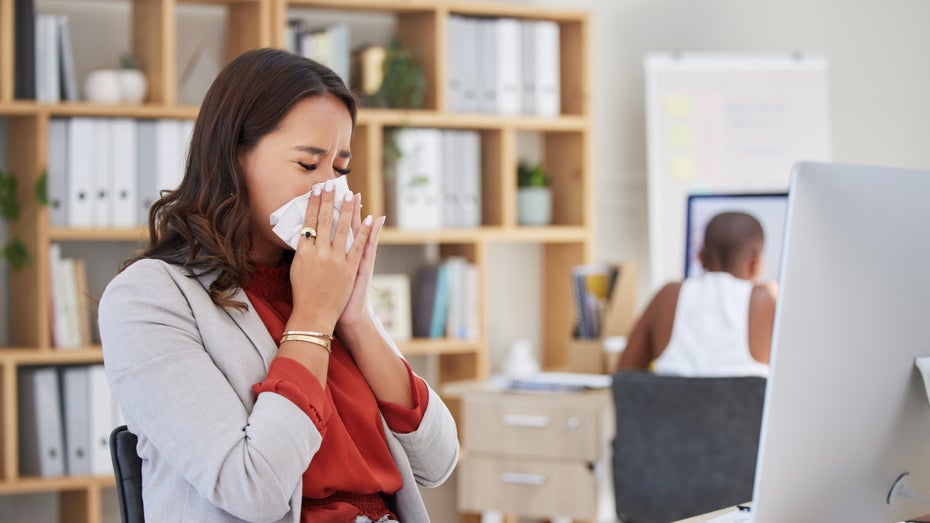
(537, 455)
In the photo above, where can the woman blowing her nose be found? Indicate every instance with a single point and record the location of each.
(260, 384)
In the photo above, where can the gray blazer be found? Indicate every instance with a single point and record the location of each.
(183, 369)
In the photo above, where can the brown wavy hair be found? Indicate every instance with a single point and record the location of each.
(204, 224)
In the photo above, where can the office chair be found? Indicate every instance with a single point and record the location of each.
(684, 446)
(127, 467)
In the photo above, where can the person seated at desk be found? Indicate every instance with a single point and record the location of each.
(715, 324)
(259, 382)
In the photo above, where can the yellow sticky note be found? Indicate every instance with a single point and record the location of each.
(678, 105)
(682, 168)
(680, 136)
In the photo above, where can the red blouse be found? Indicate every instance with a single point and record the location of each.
(353, 465)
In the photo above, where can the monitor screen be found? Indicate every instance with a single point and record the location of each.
(846, 413)
(768, 208)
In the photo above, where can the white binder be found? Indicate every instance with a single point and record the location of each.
(451, 177)
(41, 441)
(456, 51)
(102, 174)
(81, 166)
(486, 69)
(100, 403)
(417, 187)
(508, 75)
(185, 131)
(123, 198)
(75, 392)
(471, 69)
(469, 193)
(146, 172)
(547, 68)
(57, 177)
(167, 154)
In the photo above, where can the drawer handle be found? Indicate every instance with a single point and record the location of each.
(521, 478)
(523, 420)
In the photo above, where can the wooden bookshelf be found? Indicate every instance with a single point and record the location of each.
(567, 156)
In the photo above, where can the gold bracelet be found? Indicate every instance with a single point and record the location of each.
(310, 333)
(322, 342)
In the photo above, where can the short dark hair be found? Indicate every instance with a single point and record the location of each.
(728, 236)
(204, 224)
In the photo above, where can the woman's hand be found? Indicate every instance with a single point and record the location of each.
(323, 275)
(355, 313)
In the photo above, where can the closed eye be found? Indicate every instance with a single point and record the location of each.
(312, 167)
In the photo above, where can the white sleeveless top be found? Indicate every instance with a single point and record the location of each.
(710, 335)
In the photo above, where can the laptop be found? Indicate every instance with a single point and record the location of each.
(846, 423)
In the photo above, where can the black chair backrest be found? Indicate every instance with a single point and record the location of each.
(127, 466)
(684, 446)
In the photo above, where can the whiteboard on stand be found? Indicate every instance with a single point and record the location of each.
(725, 123)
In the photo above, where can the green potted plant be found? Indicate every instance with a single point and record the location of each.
(534, 197)
(403, 82)
(14, 250)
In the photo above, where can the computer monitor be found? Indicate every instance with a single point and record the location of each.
(768, 208)
(846, 413)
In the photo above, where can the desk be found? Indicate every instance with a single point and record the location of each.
(537, 455)
(710, 515)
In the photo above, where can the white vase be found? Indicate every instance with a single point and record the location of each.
(534, 206)
(103, 86)
(134, 85)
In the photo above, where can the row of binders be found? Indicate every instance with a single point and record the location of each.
(44, 57)
(107, 172)
(445, 300)
(435, 180)
(327, 45)
(503, 66)
(70, 303)
(65, 418)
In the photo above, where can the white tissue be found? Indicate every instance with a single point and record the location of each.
(288, 220)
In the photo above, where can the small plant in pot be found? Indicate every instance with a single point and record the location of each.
(534, 197)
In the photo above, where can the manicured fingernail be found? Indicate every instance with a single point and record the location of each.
(383, 219)
(368, 220)
(349, 197)
(317, 190)
(329, 185)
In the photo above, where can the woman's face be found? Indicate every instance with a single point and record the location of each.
(310, 145)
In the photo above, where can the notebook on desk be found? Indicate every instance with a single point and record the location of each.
(846, 419)
(554, 382)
